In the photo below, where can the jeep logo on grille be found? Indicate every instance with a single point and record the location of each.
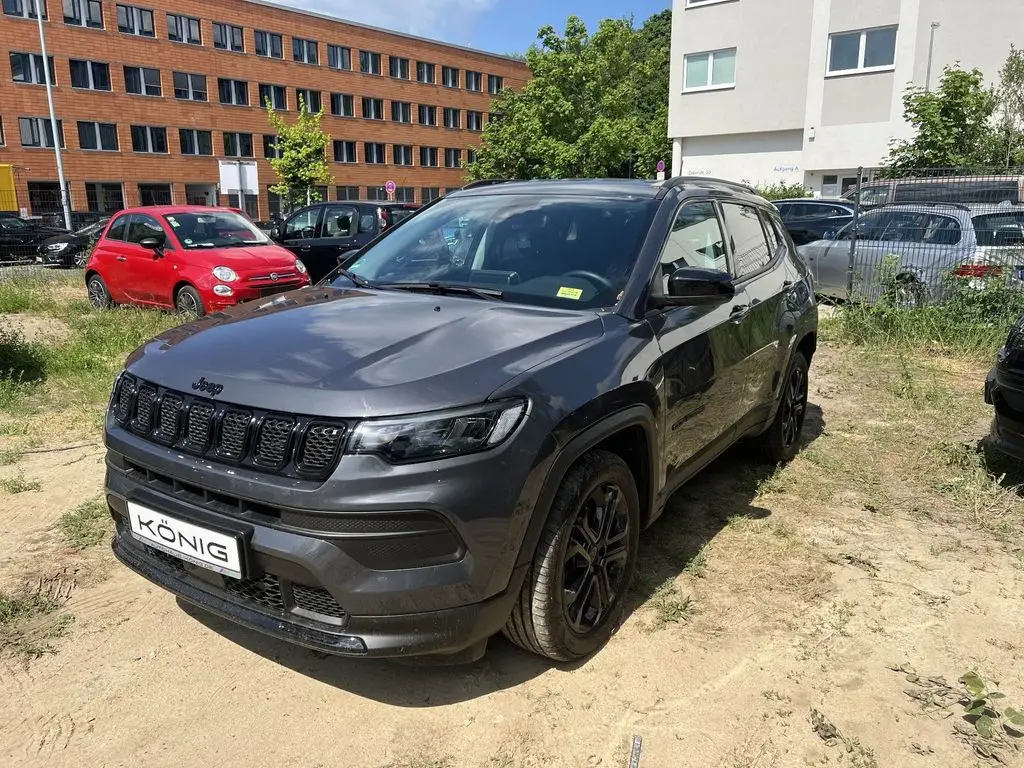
(207, 386)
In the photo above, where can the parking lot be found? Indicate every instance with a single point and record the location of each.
(792, 617)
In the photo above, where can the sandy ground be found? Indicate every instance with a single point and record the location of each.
(794, 607)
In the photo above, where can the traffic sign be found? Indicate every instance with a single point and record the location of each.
(661, 166)
(390, 187)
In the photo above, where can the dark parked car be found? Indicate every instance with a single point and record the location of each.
(319, 234)
(70, 249)
(468, 429)
(19, 239)
(1004, 389)
(810, 219)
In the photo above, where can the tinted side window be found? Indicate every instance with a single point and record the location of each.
(143, 226)
(367, 223)
(339, 221)
(695, 240)
(747, 239)
(773, 229)
(116, 231)
(302, 225)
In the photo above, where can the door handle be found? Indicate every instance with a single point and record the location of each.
(306, 248)
(122, 258)
(739, 312)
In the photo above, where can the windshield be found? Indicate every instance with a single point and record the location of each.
(13, 222)
(547, 251)
(214, 229)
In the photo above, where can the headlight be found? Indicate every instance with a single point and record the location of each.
(439, 435)
(300, 266)
(57, 246)
(227, 274)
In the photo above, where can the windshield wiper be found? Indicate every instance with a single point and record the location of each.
(361, 282)
(487, 294)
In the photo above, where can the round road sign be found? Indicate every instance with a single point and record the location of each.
(390, 187)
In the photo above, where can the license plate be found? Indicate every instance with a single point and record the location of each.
(192, 543)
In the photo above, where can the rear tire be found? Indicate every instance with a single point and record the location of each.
(99, 294)
(575, 589)
(781, 442)
(188, 302)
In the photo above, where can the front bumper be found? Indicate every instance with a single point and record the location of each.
(1005, 390)
(241, 293)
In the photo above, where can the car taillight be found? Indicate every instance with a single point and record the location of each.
(978, 270)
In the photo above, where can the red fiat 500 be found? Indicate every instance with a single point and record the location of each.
(191, 258)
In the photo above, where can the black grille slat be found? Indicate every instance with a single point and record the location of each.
(170, 417)
(265, 591)
(234, 429)
(145, 399)
(273, 441)
(317, 600)
(321, 446)
(125, 393)
(199, 426)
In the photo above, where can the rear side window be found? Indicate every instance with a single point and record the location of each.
(367, 223)
(696, 240)
(999, 230)
(116, 231)
(339, 221)
(747, 239)
(773, 229)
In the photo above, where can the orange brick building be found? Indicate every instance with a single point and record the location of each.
(159, 101)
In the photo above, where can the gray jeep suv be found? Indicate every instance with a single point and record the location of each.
(466, 431)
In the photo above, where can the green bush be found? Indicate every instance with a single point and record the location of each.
(782, 191)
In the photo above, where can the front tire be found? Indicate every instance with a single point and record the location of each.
(780, 443)
(188, 303)
(575, 590)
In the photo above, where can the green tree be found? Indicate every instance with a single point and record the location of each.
(952, 124)
(1009, 138)
(596, 105)
(301, 164)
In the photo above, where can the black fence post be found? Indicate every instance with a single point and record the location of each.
(853, 235)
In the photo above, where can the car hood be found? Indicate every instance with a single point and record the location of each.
(350, 353)
(67, 237)
(257, 256)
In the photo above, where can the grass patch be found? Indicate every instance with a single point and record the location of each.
(86, 525)
(30, 621)
(19, 484)
(670, 606)
(698, 565)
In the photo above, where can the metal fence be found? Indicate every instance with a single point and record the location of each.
(917, 236)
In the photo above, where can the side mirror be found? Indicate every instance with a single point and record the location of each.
(275, 233)
(154, 243)
(691, 286)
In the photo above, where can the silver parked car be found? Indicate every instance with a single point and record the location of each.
(927, 243)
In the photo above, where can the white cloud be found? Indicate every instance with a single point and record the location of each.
(450, 20)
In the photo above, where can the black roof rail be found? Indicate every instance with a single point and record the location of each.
(679, 181)
(487, 183)
(931, 203)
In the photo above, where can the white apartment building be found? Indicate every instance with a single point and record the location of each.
(769, 91)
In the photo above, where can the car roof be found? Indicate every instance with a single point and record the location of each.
(161, 210)
(568, 187)
(822, 200)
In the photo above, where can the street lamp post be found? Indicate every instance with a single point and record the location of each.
(931, 54)
(53, 120)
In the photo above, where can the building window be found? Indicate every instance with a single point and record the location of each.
(343, 105)
(104, 198)
(91, 75)
(347, 193)
(37, 132)
(149, 139)
(495, 84)
(345, 152)
(453, 158)
(237, 144)
(44, 197)
(428, 157)
(398, 67)
(474, 120)
(450, 77)
(155, 194)
(195, 142)
(25, 9)
(427, 114)
(189, 87)
(270, 148)
(132, 20)
(268, 44)
(339, 57)
(373, 109)
(402, 154)
(84, 13)
(142, 81)
(101, 136)
(183, 29)
(401, 111)
(373, 153)
(425, 72)
(429, 193)
(709, 71)
(376, 194)
(275, 96)
(452, 117)
(235, 92)
(305, 51)
(369, 63)
(474, 81)
(405, 194)
(310, 98)
(867, 50)
(470, 156)
(28, 68)
(228, 37)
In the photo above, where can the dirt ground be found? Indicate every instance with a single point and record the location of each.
(788, 618)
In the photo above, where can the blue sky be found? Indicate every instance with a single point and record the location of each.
(501, 26)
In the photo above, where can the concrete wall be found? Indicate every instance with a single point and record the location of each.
(757, 158)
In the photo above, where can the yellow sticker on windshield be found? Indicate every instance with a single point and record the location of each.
(570, 293)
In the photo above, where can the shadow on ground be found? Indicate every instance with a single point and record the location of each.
(694, 516)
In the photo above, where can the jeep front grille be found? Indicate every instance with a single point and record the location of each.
(287, 444)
